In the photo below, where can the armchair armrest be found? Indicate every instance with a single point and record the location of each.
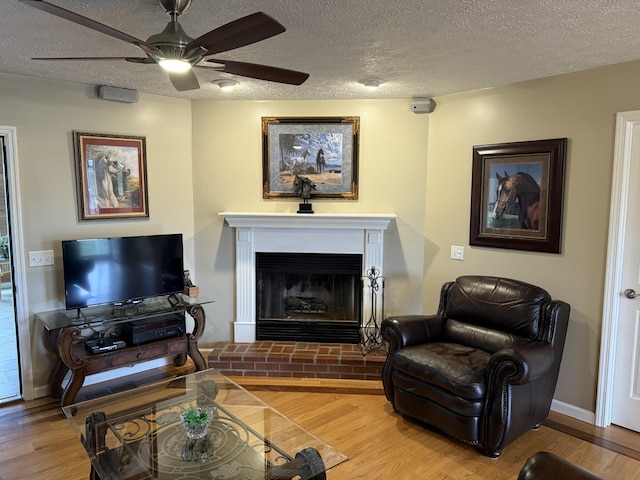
(530, 361)
(545, 465)
(405, 330)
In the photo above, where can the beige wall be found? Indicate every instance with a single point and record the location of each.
(227, 167)
(581, 107)
(205, 157)
(45, 114)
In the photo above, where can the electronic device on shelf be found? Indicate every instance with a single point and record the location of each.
(121, 270)
(154, 328)
(105, 344)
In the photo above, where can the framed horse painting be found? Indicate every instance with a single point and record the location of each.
(111, 173)
(321, 150)
(517, 195)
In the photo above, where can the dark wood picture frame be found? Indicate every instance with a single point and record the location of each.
(517, 195)
(111, 174)
(323, 149)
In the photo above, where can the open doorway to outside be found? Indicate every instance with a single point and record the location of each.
(9, 366)
(15, 279)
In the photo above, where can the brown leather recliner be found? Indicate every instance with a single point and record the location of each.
(484, 368)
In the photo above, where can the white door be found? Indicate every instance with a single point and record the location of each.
(621, 320)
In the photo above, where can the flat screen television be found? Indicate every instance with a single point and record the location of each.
(121, 270)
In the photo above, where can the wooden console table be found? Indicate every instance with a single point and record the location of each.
(67, 330)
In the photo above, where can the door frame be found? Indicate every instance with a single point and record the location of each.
(18, 271)
(626, 122)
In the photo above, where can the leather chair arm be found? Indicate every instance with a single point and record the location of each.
(530, 360)
(547, 466)
(405, 330)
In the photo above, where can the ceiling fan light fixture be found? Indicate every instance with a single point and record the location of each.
(225, 85)
(175, 65)
(176, 52)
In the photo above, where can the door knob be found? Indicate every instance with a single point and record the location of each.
(630, 293)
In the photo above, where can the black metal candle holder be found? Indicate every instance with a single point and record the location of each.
(370, 334)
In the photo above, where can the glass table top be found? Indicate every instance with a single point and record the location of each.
(109, 314)
(138, 434)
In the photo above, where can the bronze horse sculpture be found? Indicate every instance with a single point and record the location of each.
(523, 188)
(302, 187)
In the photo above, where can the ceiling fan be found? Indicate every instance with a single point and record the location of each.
(177, 53)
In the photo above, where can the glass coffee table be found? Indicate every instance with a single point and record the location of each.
(138, 434)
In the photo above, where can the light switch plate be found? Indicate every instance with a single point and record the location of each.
(40, 258)
(457, 253)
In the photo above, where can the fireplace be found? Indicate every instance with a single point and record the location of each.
(309, 297)
(290, 233)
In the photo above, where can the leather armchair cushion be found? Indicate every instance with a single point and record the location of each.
(456, 369)
(498, 303)
(437, 396)
(479, 337)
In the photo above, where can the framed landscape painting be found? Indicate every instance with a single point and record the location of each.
(517, 195)
(111, 173)
(322, 149)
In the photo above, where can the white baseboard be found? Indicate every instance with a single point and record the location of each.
(573, 411)
(41, 391)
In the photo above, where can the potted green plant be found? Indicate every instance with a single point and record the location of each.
(4, 246)
(196, 421)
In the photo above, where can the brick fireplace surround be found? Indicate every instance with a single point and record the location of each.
(296, 360)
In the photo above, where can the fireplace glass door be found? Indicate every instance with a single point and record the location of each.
(308, 297)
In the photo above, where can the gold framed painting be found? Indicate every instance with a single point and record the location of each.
(322, 149)
(111, 173)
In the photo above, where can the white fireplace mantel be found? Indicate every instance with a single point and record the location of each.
(315, 220)
(300, 233)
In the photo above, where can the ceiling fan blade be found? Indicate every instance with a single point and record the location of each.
(89, 23)
(128, 59)
(184, 81)
(262, 72)
(244, 31)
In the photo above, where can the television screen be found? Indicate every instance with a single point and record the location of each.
(121, 270)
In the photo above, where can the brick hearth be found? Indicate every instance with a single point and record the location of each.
(296, 359)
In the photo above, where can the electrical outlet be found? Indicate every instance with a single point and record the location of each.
(41, 258)
(457, 253)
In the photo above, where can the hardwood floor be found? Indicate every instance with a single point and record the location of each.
(618, 439)
(382, 444)
(353, 416)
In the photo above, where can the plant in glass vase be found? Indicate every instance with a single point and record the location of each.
(196, 421)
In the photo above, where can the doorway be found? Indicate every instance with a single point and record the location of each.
(10, 388)
(618, 399)
(16, 291)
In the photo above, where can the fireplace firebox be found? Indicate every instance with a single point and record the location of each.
(309, 297)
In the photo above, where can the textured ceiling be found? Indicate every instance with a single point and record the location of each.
(418, 48)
